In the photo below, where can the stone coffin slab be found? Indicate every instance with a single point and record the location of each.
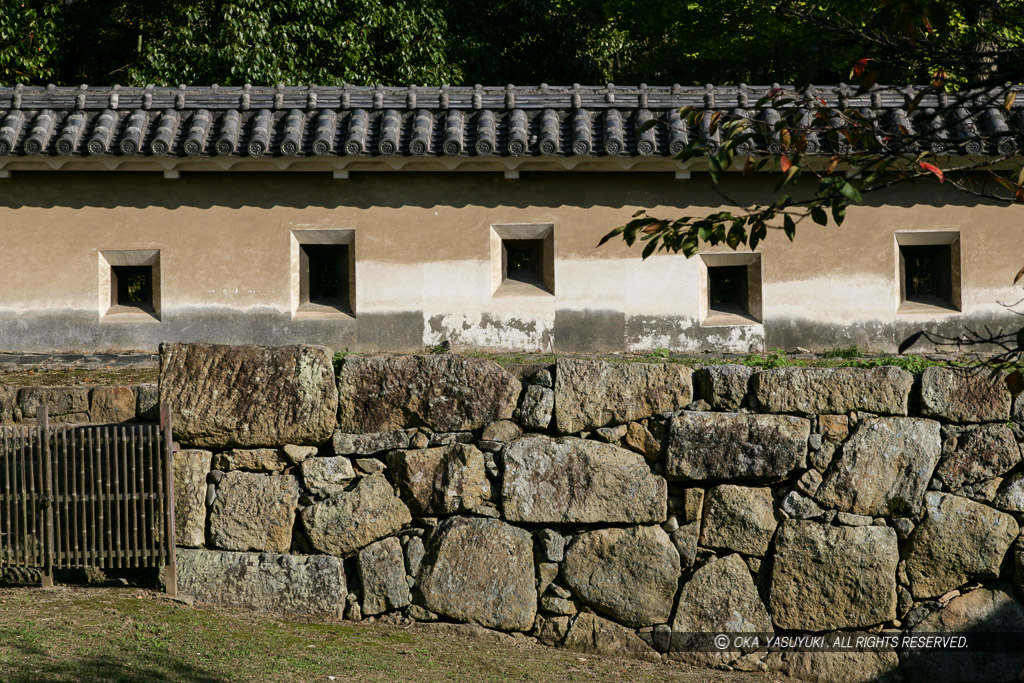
(568, 480)
(312, 585)
(809, 391)
(758, 449)
(445, 393)
(190, 470)
(965, 395)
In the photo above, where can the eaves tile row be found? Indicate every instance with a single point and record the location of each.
(460, 122)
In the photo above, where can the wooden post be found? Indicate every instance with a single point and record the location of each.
(42, 415)
(171, 570)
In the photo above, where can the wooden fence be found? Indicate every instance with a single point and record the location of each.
(87, 496)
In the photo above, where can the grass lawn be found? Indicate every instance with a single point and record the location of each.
(131, 634)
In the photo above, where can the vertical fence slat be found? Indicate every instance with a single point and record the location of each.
(32, 518)
(46, 496)
(8, 538)
(109, 558)
(66, 525)
(151, 509)
(108, 535)
(93, 543)
(158, 457)
(38, 515)
(26, 499)
(56, 468)
(171, 563)
(23, 532)
(53, 439)
(119, 501)
(83, 499)
(122, 470)
(22, 514)
(101, 476)
(136, 490)
(23, 520)
(143, 510)
(70, 513)
(83, 493)
(31, 548)
(30, 503)
(8, 492)
(16, 499)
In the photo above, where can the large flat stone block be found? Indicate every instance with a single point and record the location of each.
(993, 609)
(64, 404)
(591, 634)
(312, 585)
(628, 573)
(441, 481)
(759, 449)
(738, 518)
(884, 468)
(382, 575)
(446, 393)
(254, 512)
(959, 540)
(112, 404)
(569, 480)
(591, 394)
(809, 391)
(190, 470)
(719, 596)
(978, 455)
(833, 577)
(965, 395)
(249, 396)
(481, 571)
(346, 522)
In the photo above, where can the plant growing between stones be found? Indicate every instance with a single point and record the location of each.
(852, 351)
(337, 359)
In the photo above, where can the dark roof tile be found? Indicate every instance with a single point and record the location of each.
(458, 122)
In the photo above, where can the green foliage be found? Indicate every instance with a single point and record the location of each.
(775, 358)
(911, 363)
(229, 42)
(852, 351)
(296, 41)
(431, 42)
(520, 259)
(660, 352)
(534, 41)
(29, 40)
(438, 349)
(338, 360)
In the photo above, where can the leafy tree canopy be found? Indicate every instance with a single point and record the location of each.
(430, 42)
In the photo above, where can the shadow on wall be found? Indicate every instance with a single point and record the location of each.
(1004, 624)
(267, 190)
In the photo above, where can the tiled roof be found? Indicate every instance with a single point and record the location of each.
(543, 121)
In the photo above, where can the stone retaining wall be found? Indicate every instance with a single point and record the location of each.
(602, 506)
(80, 404)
